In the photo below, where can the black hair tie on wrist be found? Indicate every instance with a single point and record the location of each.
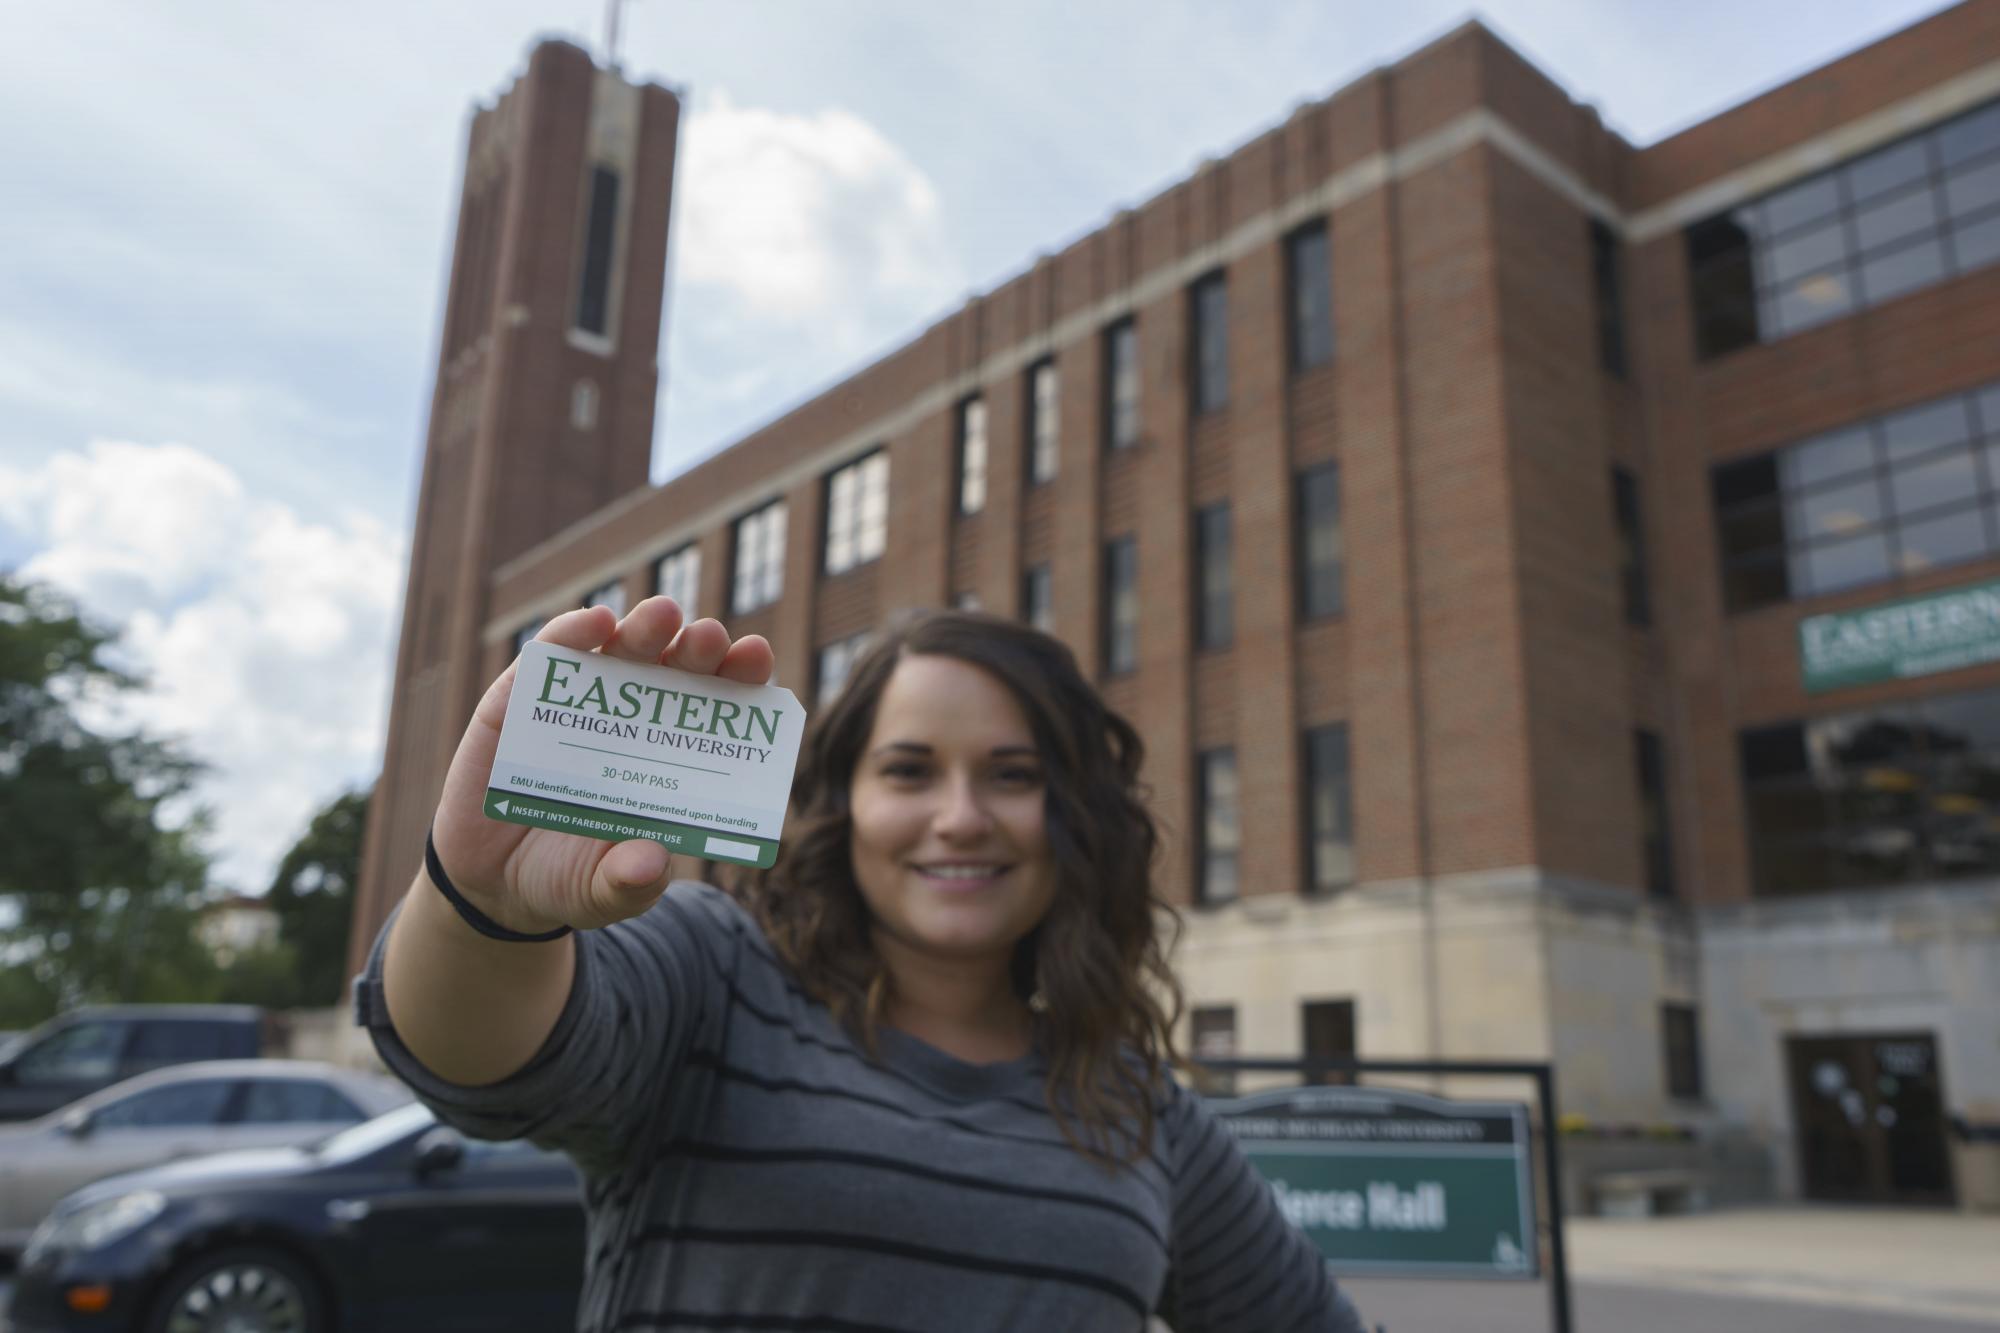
(475, 918)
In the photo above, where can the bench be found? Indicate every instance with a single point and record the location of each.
(1646, 1193)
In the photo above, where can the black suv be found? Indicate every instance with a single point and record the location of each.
(77, 1053)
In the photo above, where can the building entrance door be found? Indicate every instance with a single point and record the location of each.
(1870, 1117)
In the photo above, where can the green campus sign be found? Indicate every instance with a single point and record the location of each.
(1919, 636)
(1394, 1182)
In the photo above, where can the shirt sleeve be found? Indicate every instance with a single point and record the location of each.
(1239, 1264)
(645, 992)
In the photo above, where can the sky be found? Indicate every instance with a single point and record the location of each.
(224, 229)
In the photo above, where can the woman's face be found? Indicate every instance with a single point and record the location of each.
(949, 835)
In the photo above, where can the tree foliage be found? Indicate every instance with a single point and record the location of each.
(313, 896)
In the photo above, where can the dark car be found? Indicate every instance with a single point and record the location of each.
(398, 1223)
(75, 1054)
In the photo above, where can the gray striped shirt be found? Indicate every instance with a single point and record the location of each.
(747, 1166)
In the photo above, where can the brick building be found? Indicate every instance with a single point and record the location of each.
(1552, 577)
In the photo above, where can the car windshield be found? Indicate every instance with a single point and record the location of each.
(370, 1135)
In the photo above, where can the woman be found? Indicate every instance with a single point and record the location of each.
(914, 1079)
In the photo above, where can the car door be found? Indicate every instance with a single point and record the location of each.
(494, 1242)
(70, 1062)
(143, 1128)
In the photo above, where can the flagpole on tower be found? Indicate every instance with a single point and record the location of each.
(612, 10)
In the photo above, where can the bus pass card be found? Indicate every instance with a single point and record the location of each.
(614, 749)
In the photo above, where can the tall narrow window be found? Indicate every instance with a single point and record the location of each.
(1209, 372)
(1038, 601)
(1328, 1034)
(857, 512)
(1631, 547)
(1309, 270)
(1213, 1027)
(1655, 830)
(583, 405)
(836, 660)
(1044, 440)
(525, 635)
(600, 233)
(1214, 619)
(972, 455)
(760, 558)
(1329, 814)
(1121, 605)
(1217, 826)
(1604, 273)
(610, 594)
(1680, 1040)
(1319, 542)
(678, 575)
(1121, 385)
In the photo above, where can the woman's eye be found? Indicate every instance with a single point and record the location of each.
(903, 771)
(1021, 776)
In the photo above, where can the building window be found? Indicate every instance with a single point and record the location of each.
(1214, 1038)
(1319, 542)
(1044, 416)
(1605, 260)
(1911, 491)
(593, 288)
(678, 575)
(857, 512)
(836, 660)
(583, 405)
(1121, 605)
(1214, 619)
(1121, 385)
(972, 456)
(1038, 600)
(611, 594)
(967, 601)
(1209, 348)
(1216, 827)
(1309, 271)
(1631, 547)
(1655, 831)
(525, 635)
(1328, 1034)
(1891, 221)
(1329, 814)
(1680, 1039)
(1875, 798)
(760, 559)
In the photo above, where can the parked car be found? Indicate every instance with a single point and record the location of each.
(183, 1111)
(75, 1054)
(396, 1225)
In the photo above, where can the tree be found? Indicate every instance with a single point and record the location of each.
(313, 896)
(98, 895)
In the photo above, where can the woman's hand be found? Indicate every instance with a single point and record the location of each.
(533, 880)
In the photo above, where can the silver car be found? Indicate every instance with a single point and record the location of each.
(182, 1111)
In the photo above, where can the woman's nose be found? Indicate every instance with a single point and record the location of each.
(962, 813)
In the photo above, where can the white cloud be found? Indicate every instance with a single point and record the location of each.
(265, 638)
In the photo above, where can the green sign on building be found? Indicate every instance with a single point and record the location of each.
(1397, 1183)
(1918, 636)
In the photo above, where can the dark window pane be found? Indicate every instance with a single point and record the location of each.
(1329, 812)
(1886, 168)
(177, 1041)
(1973, 189)
(1681, 1048)
(1918, 430)
(269, 1101)
(1911, 213)
(1724, 236)
(1966, 723)
(1774, 752)
(1748, 584)
(1608, 286)
(1038, 599)
(1886, 276)
(1121, 605)
(1977, 244)
(1831, 566)
(1750, 479)
(1988, 406)
(1936, 481)
(1213, 611)
(1813, 300)
(1802, 253)
(1845, 509)
(1838, 453)
(1218, 827)
(1632, 547)
(1214, 1031)
(593, 298)
(1943, 540)
(1329, 1033)
(1320, 543)
(1723, 286)
(1788, 809)
(1210, 349)
(1970, 136)
(1311, 290)
(1656, 836)
(1805, 202)
(178, 1105)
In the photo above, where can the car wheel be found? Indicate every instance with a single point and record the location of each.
(243, 1289)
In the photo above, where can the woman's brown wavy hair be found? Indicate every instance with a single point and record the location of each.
(1107, 999)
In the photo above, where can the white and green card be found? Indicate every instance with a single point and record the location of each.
(612, 749)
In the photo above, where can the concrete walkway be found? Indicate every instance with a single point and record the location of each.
(1937, 1264)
